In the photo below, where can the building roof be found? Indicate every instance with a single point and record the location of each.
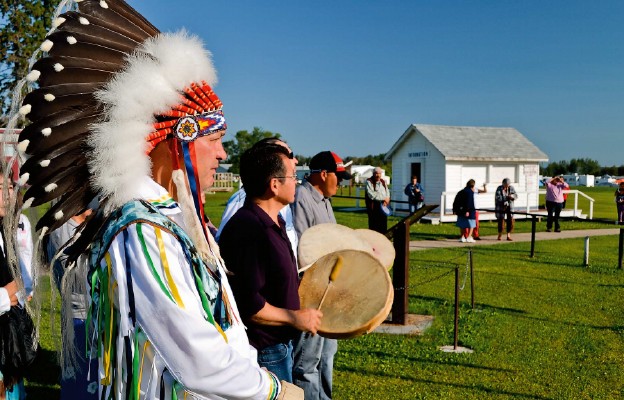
(471, 143)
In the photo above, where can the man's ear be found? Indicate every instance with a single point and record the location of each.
(324, 175)
(274, 186)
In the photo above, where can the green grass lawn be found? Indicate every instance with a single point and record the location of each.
(543, 327)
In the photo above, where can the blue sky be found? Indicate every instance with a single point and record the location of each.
(352, 75)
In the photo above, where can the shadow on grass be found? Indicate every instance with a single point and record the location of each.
(481, 388)
(43, 377)
(432, 236)
(390, 356)
(539, 278)
(482, 306)
(612, 328)
(440, 302)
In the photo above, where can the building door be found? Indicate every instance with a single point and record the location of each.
(415, 172)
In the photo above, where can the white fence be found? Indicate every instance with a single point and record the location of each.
(526, 202)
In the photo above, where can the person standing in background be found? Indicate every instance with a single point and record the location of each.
(11, 382)
(415, 195)
(466, 218)
(554, 203)
(566, 187)
(377, 199)
(475, 231)
(504, 198)
(619, 201)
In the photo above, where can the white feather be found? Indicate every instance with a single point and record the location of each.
(49, 97)
(83, 21)
(25, 109)
(103, 4)
(51, 187)
(23, 179)
(44, 163)
(23, 145)
(46, 132)
(47, 45)
(71, 40)
(58, 215)
(28, 203)
(58, 22)
(44, 230)
(58, 67)
(33, 76)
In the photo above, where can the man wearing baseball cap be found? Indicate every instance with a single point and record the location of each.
(314, 355)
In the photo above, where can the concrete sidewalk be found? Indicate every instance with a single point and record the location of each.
(517, 237)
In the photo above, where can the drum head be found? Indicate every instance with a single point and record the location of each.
(357, 302)
(378, 245)
(323, 239)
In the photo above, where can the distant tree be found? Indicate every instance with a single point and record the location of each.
(612, 170)
(23, 27)
(581, 166)
(242, 141)
(303, 160)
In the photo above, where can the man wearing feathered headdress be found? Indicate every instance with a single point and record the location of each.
(126, 115)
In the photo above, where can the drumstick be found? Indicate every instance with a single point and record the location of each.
(332, 277)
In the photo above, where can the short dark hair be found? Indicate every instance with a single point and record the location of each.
(259, 165)
(268, 140)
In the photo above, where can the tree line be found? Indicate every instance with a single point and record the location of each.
(23, 26)
(244, 139)
(581, 166)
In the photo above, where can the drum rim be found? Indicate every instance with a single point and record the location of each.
(378, 317)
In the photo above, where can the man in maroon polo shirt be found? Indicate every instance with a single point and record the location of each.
(257, 251)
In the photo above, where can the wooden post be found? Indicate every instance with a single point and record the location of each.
(533, 228)
(400, 274)
(621, 246)
(456, 328)
(586, 254)
(471, 280)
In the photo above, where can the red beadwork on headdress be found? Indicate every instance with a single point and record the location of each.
(196, 99)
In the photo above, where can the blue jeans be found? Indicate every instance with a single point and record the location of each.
(313, 366)
(79, 387)
(415, 206)
(278, 359)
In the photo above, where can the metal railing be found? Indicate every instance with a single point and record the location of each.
(527, 201)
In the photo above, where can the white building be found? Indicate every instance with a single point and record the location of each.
(580, 180)
(444, 158)
(606, 180)
(361, 173)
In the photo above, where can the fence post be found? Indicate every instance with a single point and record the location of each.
(533, 228)
(456, 329)
(400, 274)
(586, 258)
(471, 280)
(621, 246)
